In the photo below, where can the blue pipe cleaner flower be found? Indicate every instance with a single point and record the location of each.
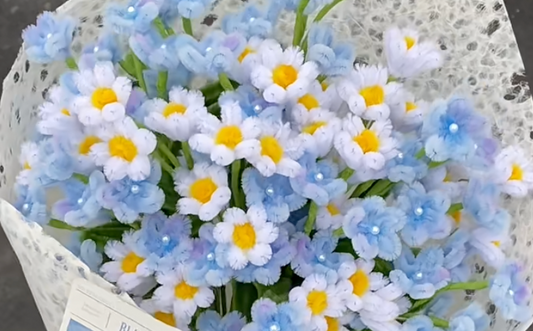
(510, 293)
(252, 103)
(455, 253)
(405, 167)
(452, 131)
(135, 16)
(128, 198)
(81, 206)
(439, 306)
(473, 318)
(32, 203)
(167, 238)
(485, 155)
(373, 227)
(50, 39)
(211, 321)
(319, 181)
(269, 274)
(419, 323)
(203, 265)
(106, 49)
(267, 316)
(252, 21)
(481, 200)
(274, 193)
(422, 275)
(426, 214)
(86, 251)
(56, 160)
(317, 256)
(333, 59)
(157, 52)
(190, 8)
(133, 106)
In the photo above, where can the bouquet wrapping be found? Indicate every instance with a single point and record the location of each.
(229, 167)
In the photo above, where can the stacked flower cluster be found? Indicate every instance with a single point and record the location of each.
(292, 191)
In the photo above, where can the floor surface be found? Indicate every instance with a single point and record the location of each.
(17, 309)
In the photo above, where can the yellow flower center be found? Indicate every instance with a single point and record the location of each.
(244, 236)
(317, 301)
(230, 136)
(324, 86)
(410, 42)
(270, 147)
(185, 291)
(247, 51)
(517, 174)
(333, 210)
(27, 166)
(497, 243)
(174, 108)
(65, 111)
(309, 102)
(203, 189)
(102, 97)
(373, 95)
(311, 128)
(368, 141)
(447, 178)
(130, 263)
(333, 323)
(410, 106)
(166, 318)
(457, 216)
(284, 75)
(360, 283)
(87, 143)
(123, 148)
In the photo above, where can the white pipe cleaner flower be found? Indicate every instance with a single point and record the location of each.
(366, 90)
(489, 245)
(282, 74)
(316, 98)
(28, 159)
(124, 150)
(244, 238)
(177, 119)
(407, 56)
(229, 139)
(204, 190)
(56, 114)
(368, 147)
(513, 171)
(319, 130)
(248, 59)
(103, 96)
(406, 113)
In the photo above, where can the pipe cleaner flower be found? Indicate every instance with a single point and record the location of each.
(50, 39)
(419, 323)
(316, 98)
(489, 246)
(366, 90)
(269, 274)
(190, 9)
(333, 59)
(128, 268)
(331, 216)
(472, 318)
(319, 180)
(164, 313)
(367, 147)
(407, 56)
(274, 194)
(128, 198)
(406, 113)
(157, 52)
(103, 95)
(56, 161)
(282, 75)
(177, 291)
(229, 139)
(81, 207)
(510, 293)
(211, 321)
(124, 150)
(319, 298)
(456, 250)
(317, 255)
(406, 167)
(452, 131)
(280, 147)
(134, 16)
(29, 160)
(373, 227)
(426, 213)
(106, 49)
(448, 178)
(244, 238)
(253, 22)
(422, 275)
(204, 190)
(252, 104)
(178, 118)
(513, 172)
(31, 202)
(267, 316)
(56, 117)
(319, 130)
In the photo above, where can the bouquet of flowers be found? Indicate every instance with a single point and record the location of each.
(232, 182)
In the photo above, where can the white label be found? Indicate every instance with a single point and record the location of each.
(91, 308)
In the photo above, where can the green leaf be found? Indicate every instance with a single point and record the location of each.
(385, 267)
(162, 80)
(421, 153)
(311, 218)
(362, 188)
(346, 174)
(455, 208)
(434, 164)
(345, 246)
(128, 65)
(381, 188)
(64, 226)
(82, 178)
(278, 292)
(244, 296)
